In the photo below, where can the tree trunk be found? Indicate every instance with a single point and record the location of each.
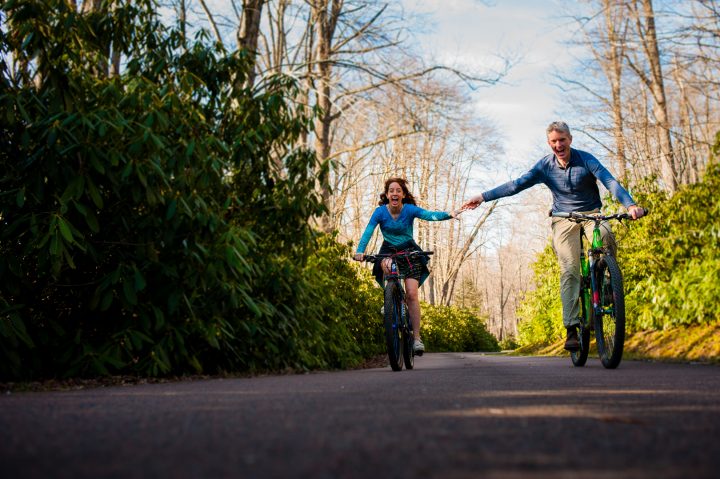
(248, 33)
(461, 256)
(616, 47)
(655, 83)
(325, 22)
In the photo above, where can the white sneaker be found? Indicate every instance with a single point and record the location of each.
(418, 347)
(382, 310)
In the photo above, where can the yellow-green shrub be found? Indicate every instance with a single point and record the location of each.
(448, 328)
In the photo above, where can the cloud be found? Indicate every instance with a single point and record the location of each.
(475, 35)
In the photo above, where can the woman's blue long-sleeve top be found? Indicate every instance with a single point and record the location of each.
(574, 188)
(397, 231)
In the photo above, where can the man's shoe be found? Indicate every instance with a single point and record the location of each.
(418, 347)
(572, 343)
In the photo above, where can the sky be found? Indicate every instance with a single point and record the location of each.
(472, 34)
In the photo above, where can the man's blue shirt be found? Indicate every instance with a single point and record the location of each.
(574, 188)
(400, 230)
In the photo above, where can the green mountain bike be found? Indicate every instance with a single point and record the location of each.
(399, 335)
(602, 299)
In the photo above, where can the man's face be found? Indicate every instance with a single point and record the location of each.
(560, 144)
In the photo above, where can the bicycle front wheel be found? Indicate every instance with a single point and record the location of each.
(579, 357)
(393, 335)
(610, 323)
(408, 338)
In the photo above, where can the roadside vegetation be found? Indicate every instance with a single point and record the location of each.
(158, 222)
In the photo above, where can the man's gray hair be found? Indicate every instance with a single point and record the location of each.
(560, 126)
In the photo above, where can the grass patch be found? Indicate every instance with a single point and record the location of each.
(696, 343)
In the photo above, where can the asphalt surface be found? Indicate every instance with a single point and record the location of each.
(454, 416)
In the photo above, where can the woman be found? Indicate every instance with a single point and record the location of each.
(395, 215)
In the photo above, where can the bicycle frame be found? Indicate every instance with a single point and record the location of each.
(587, 269)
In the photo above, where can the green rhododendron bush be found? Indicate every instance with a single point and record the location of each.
(671, 259)
(157, 222)
(448, 328)
(540, 312)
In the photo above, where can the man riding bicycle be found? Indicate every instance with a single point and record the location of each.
(572, 176)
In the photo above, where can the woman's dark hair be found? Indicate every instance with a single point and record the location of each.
(409, 198)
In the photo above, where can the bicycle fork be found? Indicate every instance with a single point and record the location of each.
(592, 257)
(586, 287)
(590, 289)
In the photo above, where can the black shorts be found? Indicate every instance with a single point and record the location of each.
(414, 267)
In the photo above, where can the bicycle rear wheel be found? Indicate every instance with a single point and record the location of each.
(393, 336)
(610, 324)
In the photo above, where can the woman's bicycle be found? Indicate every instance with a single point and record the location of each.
(399, 335)
(602, 299)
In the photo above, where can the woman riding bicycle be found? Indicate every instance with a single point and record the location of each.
(395, 215)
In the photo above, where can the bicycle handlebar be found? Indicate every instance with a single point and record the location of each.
(593, 216)
(371, 258)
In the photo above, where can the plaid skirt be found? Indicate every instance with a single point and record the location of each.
(414, 267)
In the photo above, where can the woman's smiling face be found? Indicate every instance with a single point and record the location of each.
(395, 194)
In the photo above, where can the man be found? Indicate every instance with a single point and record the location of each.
(571, 175)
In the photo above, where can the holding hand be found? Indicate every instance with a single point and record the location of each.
(456, 213)
(473, 202)
(359, 257)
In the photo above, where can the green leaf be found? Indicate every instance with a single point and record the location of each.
(129, 292)
(97, 164)
(55, 244)
(52, 137)
(65, 230)
(127, 170)
(20, 197)
(29, 36)
(139, 281)
(190, 148)
(172, 207)
(92, 222)
(81, 208)
(94, 194)
(106, 300)
(74, 189)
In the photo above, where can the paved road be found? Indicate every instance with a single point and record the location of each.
(455, 416)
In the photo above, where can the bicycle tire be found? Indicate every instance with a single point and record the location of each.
(393, 336)
(610, 325)
(408, 338)
(579, 357)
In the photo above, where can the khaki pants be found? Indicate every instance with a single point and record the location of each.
(566, 243)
